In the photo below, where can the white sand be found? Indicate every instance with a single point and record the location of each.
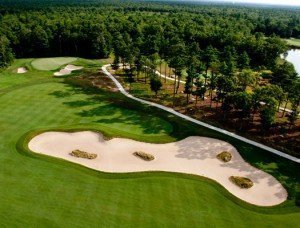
(21, 70)
(193, 155)
(67, 70)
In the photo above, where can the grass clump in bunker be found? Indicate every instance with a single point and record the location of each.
(144, 156)
(242, 182)
(83, 154)
(224, 156)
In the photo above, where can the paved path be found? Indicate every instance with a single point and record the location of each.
(170, 110)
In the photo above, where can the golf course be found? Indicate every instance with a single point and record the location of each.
(42, 189)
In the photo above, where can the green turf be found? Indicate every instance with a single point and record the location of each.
(51, 63)
(294, 42)
(37, 190)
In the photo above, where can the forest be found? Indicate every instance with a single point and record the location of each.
(226, 45)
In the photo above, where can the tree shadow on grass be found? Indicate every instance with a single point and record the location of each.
(110, 114)
(80, 103)
(110, 108)
(61, 94)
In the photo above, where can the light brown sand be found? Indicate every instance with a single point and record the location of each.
(193, 155)
(67, 70)
(21, 70)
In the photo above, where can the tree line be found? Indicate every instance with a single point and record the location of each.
(37, 28)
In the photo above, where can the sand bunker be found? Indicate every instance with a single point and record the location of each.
(193, 155)
(67, 70)
(21, 70)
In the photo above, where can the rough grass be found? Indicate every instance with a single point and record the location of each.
(39, 190)
(83, 154)
(224, 156)
(47, 64)
(242, 182)
(144, 156)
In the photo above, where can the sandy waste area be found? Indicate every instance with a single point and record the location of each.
(193, 155)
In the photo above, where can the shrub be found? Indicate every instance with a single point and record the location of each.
(242, 182)
(144, 156)
(224, 156)
(82, 154)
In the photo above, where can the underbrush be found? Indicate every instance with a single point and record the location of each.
(144, 156)
(224, 156)
(83, 154)
(242, 182)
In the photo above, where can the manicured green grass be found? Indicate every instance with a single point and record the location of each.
(37, 190)
(294, 42)
(51, 63)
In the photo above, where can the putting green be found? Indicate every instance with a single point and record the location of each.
(43, 191)
(47, 64)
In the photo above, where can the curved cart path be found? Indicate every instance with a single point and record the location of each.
(170, 110)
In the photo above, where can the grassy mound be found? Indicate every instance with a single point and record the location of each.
(82, 154)
(144, 156)
(224, 156)
(51, 63)
(242, 182)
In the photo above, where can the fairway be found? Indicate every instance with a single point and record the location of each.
(293, 42)
(37, 189)
(47, 64)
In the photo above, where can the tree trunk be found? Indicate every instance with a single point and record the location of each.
(160, 69)
(178, 83)
(174, 92)
(241, 124)
(187, 102)
(211, 99)
(284, 109)
(196, 101)
(60, 49)
(253, 114)
(165, 72)
(279, 103)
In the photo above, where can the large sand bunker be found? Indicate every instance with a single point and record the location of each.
(193, 155)
(67, 70)
(21, 70)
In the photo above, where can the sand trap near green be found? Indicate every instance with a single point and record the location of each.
(51, 63)
(67, 70)
(192, 155)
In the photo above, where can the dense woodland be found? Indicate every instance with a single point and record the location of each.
(228, 46)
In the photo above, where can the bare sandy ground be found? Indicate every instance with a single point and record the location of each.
(67, 70)
(21, 70)
(193, 155)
